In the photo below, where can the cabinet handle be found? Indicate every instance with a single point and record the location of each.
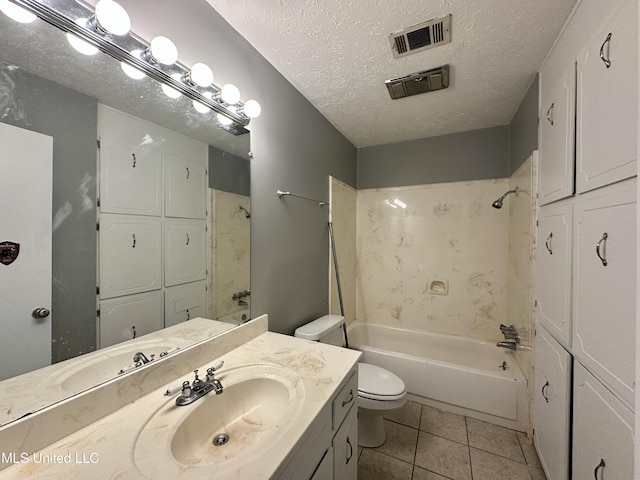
(350, 451)
(188, 315)
(133, 235)
(606, 61)
(187, 172)
(187, 239)
(548, 243)
(600, 465)
(545, 386)
(602, 258)
(135, 334)
(550, 114)
(134, 159)
(344, 402)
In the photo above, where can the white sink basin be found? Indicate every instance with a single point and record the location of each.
(259, 403)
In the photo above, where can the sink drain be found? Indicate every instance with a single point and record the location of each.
(220, 439)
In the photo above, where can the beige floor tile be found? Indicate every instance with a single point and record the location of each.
(443, 456)
(494, 439)
(408, 415)
(422, 474)
(537, 473)
(529, 450)
(487, 466)
(374, 465)
(444, 424)
(400, 442)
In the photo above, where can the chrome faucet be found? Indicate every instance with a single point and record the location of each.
(509, 345)
(190, 392)
(141, 357)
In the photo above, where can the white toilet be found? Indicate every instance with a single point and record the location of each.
(380, 392)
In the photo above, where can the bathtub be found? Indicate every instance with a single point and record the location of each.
(463, 375)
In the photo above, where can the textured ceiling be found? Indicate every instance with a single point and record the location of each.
(336, 53)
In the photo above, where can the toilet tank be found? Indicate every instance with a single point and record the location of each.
(325, 329)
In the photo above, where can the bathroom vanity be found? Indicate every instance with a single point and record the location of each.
(287, 410)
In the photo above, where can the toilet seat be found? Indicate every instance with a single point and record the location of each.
(376, 383)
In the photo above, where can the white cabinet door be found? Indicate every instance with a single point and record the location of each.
(130, 254)
(554, 269)
(185, 187)
(325, 469)
(184, 302)
(345, 448)
(607, 104)
(185, 252)
(602, 431)
(557, 139)
(130, 317)
(605, 285)
(551, 405)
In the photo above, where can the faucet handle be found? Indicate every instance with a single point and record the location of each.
(216, 366)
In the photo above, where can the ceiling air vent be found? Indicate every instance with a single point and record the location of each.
(420, 37)
(419, 82)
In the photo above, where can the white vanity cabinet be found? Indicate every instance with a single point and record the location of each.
(554, 269)
(185, 187)
(551, 405)
(556, 143)
(607, 107)
(184, 302)
(604, 273)
(130, 317)
(185, 255)
(602, 431)
(329, 448)
(130, 254)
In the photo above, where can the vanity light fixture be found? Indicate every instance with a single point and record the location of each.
(200, 107)
(16, 13)
(107, 28)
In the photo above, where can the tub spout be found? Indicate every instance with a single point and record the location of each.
(509, 345)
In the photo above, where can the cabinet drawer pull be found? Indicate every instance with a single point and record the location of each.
(350, 399)
(548, 243)
(134, 159)
(350, 455)
(544, 393)
(600, 465)
(187, 172)
(187, 239)
(133, 235)
(602, 256)
(550, 114)
(133, 329)
(606, 61)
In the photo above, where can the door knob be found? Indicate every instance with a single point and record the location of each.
(40, 313)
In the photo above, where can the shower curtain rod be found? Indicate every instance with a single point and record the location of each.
(320, 203)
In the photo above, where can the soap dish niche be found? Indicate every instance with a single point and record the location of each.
(438, 287)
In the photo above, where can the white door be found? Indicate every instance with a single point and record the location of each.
(26, 159)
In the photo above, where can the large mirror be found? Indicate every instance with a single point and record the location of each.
(47, 87)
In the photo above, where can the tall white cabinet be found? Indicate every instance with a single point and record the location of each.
(152, 232)
(584, 382)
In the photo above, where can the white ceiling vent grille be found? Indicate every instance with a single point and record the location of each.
(422, 36)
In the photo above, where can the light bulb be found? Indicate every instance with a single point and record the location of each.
(131, 71)
(16, 12)
(252, 109)
(201, 107)
(80, 45)
(112, 17)
(201, 75)
(170, 91)
(163, 51)
(230, 94)
(224, 120)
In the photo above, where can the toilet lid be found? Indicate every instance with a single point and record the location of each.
(379, 384)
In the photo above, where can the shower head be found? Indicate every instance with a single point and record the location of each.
(247, 213)
(498, 202)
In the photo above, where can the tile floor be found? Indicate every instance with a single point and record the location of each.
(424, 443)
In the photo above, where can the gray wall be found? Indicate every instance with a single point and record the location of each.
(524, 128)
(474, 155)
(228, 172)
(70, 118)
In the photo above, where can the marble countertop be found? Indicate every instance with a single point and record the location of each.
(105, 448)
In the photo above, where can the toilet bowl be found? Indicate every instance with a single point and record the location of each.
(380, 392)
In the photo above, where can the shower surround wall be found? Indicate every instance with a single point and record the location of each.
(448, 237)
